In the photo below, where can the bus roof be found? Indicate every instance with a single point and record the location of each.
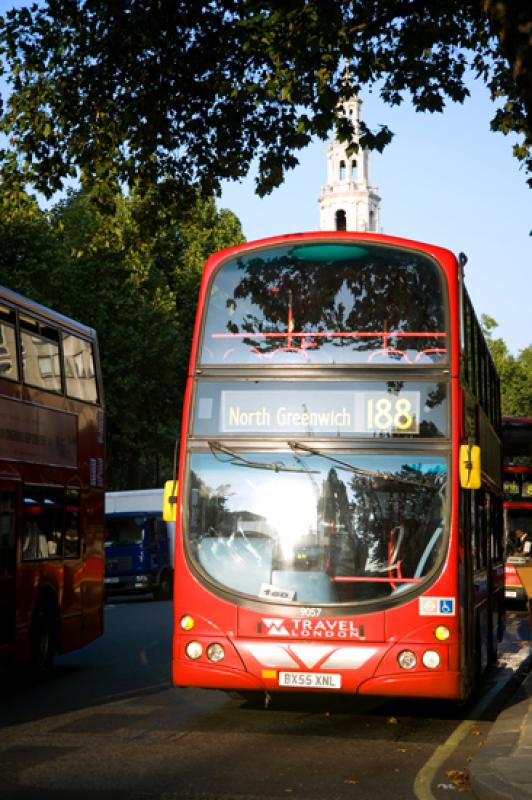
(311, 236)
(25, 304)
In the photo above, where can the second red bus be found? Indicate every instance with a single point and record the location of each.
(517, 467)
(51, 484)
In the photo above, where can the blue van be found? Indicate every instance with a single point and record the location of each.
(139, 545)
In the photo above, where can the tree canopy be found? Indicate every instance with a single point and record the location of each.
(190, 93)
(138, 289)
(515, 372)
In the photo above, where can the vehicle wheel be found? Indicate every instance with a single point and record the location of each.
(252, 698)
(43, 641)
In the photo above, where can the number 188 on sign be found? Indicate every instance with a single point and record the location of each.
(392, 413)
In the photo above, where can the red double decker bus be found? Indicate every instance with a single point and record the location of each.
(51, 484)
(517, 486)
(335, 530)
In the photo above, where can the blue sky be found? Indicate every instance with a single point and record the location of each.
(446, 179)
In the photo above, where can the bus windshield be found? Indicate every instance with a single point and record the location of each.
(327, 303)
(316, 527)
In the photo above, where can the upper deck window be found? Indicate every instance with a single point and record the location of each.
(79, 369)
(327, 303)
(8, 344)
(40, 354)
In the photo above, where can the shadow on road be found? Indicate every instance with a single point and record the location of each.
(132, 658)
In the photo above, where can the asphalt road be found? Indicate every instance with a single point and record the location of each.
(108, 725)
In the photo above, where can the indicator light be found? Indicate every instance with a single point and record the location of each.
(187, 622)
(194, 650)
(442, 633)
(407, 659)
(215, 652)
(431, 659)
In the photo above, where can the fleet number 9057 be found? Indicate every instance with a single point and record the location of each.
(310, 612)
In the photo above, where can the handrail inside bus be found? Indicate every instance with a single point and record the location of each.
(305, 340)
(328, 334)
(349, 579)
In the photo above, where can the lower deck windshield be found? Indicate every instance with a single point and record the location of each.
(316, 527)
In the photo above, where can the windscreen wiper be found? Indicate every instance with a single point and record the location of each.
(363, 473)
(240, 460)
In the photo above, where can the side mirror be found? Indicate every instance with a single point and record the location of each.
(170, 501)
(470, 466)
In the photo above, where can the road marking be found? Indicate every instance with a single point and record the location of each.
(427, 772)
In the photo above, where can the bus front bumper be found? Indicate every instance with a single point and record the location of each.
(372, 669)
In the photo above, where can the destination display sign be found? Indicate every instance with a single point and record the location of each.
(340, 408)
(301, 412)
(516, 489)
(511, 487)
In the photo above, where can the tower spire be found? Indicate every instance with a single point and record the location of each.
(348, 202)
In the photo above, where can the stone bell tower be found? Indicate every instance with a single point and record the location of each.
(348, 202)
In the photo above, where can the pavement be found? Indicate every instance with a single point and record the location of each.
(502, 769)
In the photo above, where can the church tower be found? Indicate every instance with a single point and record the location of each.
(348, 202)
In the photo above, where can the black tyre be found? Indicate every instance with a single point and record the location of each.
(43, 641)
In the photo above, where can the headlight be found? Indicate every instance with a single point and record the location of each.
(407, 659)
(194, 650)
(215, 652)
(431, 659)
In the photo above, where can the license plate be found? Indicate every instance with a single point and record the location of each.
(111, 580)
(310, 680)
(510, 594)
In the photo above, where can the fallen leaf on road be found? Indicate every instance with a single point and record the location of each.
(457, 776)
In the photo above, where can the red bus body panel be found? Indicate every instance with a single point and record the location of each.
(260, 644)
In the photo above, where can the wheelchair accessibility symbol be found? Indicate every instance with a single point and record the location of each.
(437, 606)
(446, 606)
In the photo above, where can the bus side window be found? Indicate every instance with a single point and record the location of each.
(8, 344)
(43, 529)
(40, 354)
(472, 515)
(480, 529)
(496, 529)
(72, 522)
(79, 369)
